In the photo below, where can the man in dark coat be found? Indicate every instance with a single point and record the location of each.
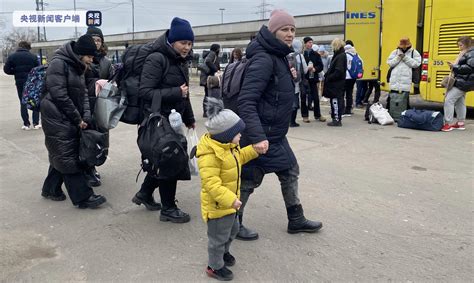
(265, 105)
(65, 111)
(212, 62)
(312, 78)
(335, 81)
(169, 55)
(20, 64)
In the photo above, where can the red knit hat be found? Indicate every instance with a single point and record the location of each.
(279, 19)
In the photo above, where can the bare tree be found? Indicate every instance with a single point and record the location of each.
(9, 41)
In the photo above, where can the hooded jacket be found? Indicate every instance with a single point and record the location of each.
(154, 83)
(350, 53)
(401, 76)
(464, 71)
(266, 100)
(220, 166)
(212, 62)
(63, 107)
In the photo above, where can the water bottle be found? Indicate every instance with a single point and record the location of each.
(311, 74)
(176, 122)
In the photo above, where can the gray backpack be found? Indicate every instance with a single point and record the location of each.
(231, 83)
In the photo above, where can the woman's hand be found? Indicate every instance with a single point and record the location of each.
(184, 90)
(261, 147)
(83, 125)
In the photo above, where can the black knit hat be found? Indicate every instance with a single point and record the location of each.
(215, 47)
(306, 39)
(85, 46)
(95, 31)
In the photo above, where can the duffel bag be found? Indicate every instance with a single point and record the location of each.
(426, 120)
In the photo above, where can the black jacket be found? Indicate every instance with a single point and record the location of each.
(212, 61)
(63, 107)
(154, 82)
(310, 55)
(100, 69)
(266, 100)
(20, 64)
(464, 72)
(335, 77)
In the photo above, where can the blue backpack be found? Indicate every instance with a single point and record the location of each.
(34, 87)
(356, 71)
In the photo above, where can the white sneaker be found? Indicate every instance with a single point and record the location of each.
(37, 127)
(25, 128)
(323, 99)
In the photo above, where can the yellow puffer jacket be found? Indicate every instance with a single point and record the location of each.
(219, 167)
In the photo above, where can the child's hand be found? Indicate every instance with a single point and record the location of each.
(237, 203)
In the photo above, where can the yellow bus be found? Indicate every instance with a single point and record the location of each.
(433, 27)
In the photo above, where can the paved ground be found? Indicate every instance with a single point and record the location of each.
(397, 205)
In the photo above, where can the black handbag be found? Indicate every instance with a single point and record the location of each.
(93, 148)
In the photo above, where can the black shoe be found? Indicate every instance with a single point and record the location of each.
(56, 197)
(297, 223)
(334, 123)
(174, 214)
(229, 260)
(92, 180)
(148, 202)
(223, 274)
(246, 234)
(92, 202)
(294, 125)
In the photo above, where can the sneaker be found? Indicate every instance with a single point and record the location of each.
(25, 128)
(223, 274)
(320, 119)
(37, 127)
(459, 126)
(305, 120)
(334, 123)
(447, 128)
(323, 99)
(229, 260)
(347, 114)
(294, 125)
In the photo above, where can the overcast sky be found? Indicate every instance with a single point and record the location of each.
(157, 14)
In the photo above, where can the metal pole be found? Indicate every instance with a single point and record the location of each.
(44, 27)
(37, 9)
(133, 21)
(75, 25)
(222, 15)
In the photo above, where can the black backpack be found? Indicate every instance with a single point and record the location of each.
(93, 148)
(164, 152)
(232, 80)
(129, 80)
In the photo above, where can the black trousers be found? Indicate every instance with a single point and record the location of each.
(76, 185)
(24, 110)
(313, 97)
(349, 89)
(373, 84)
(337, 108)
(167, 190)
(204, 101)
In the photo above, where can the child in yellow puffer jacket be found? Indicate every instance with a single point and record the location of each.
(220, 160)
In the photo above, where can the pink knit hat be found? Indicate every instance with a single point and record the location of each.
(279, 19)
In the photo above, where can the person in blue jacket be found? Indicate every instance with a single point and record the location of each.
(20, 64)
(265, 105)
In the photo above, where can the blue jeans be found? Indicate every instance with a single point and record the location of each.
(361, 90)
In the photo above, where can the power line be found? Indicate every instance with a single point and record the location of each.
(263, 9)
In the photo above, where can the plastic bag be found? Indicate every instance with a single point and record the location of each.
(192, 139)
(109, 106)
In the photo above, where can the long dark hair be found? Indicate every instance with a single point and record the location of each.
(237, 52)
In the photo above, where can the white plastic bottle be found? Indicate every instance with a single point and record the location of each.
(176, 122)
(311, 74)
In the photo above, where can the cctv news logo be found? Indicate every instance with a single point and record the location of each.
(360, 15)
(65, 18)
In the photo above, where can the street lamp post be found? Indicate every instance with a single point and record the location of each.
(222, 14)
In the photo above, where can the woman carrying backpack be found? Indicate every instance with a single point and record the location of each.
(170, 49)
(101, 68)
(65, 111)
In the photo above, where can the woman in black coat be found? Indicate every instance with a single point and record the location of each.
(265, 105)
(65, 111)
(334, 82)
(169, 55)
(212, 62)
(99, 69)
